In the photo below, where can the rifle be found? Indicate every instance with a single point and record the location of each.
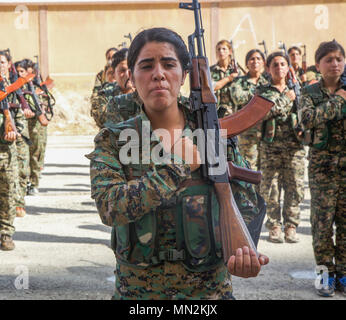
(43, 85)
(235, 62)
(263, 43)
(293, 84)
(128, 36)
(9, 125)
(203, 102)
(14, 78)
(20, 82)
(304, 65)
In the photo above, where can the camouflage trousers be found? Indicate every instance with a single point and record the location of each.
(8, 163)
(171, 281)
(38, 136)
(327, 181)
(23, 157)
(282, 166)
(249, 147)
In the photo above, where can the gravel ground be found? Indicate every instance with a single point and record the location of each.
(62, 249)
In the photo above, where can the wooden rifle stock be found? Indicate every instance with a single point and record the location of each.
(244, 174)
(234, 233)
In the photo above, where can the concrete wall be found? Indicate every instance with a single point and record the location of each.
(78, 35)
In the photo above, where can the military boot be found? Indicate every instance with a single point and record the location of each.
(7, 243)
(275, 235)
(291, 235)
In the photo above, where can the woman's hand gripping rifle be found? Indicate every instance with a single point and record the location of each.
(215, 168)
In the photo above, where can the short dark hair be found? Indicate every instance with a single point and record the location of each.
(327, 47)
(119, 56)
(251, 52)
(6, 54)
(111, 49)
(158, 35)
(294, 48)
(20, 64)
(276, 54)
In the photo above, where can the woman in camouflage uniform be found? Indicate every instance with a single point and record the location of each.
(242, 90)
(121, 86)
(282, 156)
(222, 75)
(322, 113)
(295, 55)
(22, 148)
(8, 166)
(165, 246)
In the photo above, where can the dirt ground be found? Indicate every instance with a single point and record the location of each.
(62, 249)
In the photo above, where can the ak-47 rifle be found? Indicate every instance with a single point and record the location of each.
(128, 36)
(203, 102)
(43, 85)
(263, 43)
(9, 125)
(18, 84)
(14, 78)
(292, 81)
(236, 65)
(304, 65)
(293, 84)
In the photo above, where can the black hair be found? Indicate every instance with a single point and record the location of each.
(277, 54)
(111, 49)
(158, 35)
(119, 56)
(21, 64)
(327, 47)
(294, 48)
(6, 54)
(251, 52)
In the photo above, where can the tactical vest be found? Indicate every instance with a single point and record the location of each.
(318, 137)
(198, 242)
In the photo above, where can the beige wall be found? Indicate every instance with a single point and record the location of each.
(78, 35)
(22, 39)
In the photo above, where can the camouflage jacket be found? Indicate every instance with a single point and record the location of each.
(151, 194)
(312, 74)
(100, 99)
(99, 81)
(223, 95)
(120, 108)
(278, 123)
(243, 89)
(324, 114)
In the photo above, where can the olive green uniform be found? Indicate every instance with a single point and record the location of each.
(242, 90)
(282, 160)
(223, 95)
(165, 246)
(8, 176)
(323, 117)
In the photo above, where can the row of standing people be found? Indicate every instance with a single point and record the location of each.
(276, 146)
(314, 117)
(22, 155)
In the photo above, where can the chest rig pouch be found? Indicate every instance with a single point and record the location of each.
(196, 210)
(318, 137)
